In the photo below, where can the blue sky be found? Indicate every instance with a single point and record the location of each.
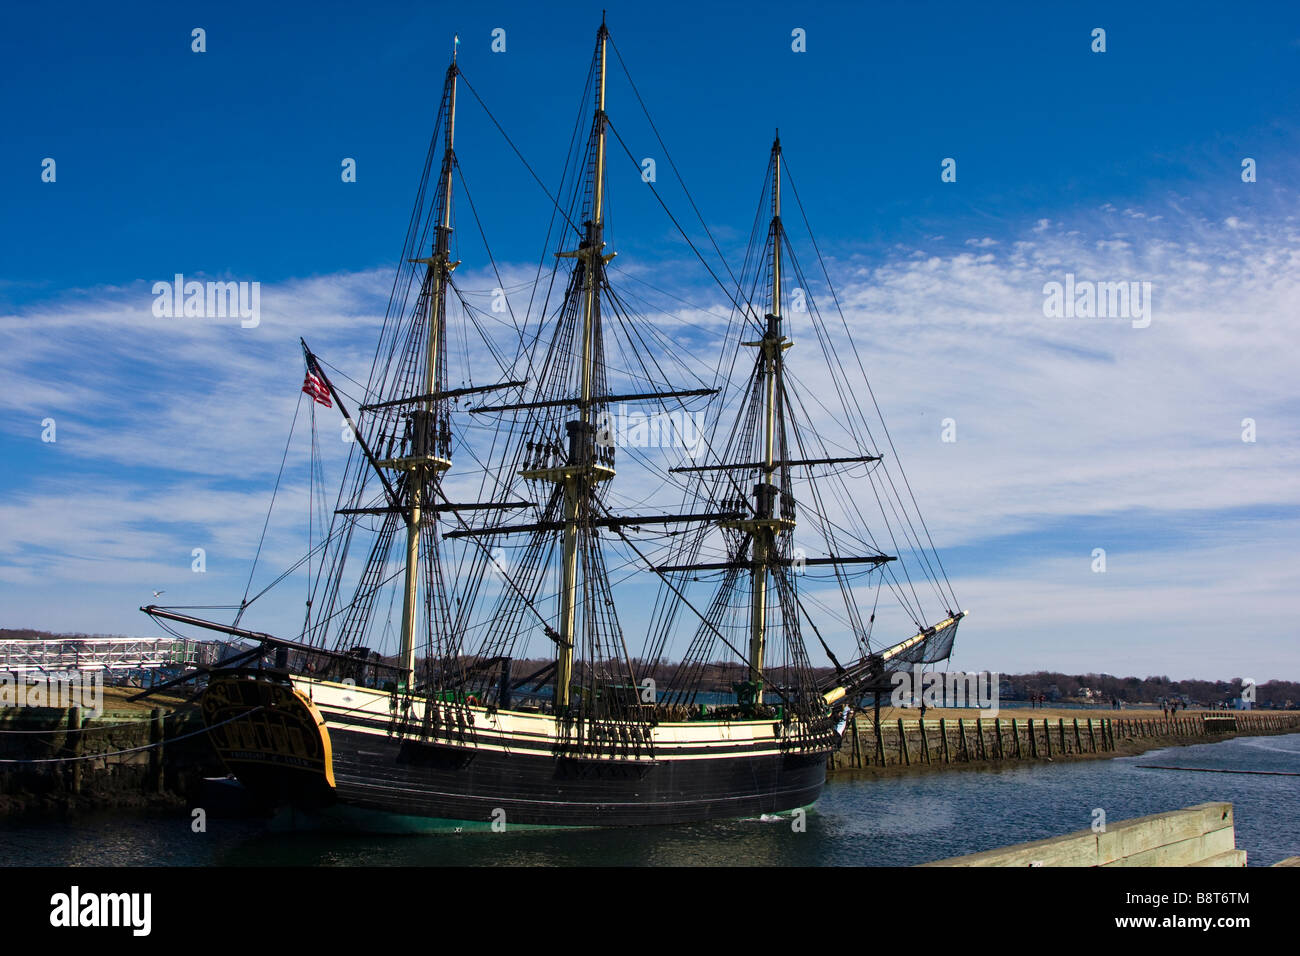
(1122, 165)
(152, 139)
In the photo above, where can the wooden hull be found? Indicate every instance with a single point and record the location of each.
(505, 770)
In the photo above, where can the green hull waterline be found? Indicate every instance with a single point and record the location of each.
(356, 819)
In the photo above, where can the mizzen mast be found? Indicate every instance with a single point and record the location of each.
(423, 463)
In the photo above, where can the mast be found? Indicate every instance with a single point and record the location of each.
(422, 463)
(765, 525)
(580, 474)
(565, 412)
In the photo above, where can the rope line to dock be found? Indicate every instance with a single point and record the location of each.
(112, 726)
(134, 750)
(1263, 773)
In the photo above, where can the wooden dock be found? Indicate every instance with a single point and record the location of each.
(919, 742)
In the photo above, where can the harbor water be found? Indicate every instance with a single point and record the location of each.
(895, 821)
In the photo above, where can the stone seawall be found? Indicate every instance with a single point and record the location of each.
(59, 760)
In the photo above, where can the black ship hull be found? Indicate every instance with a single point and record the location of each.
(420, 786)
(331, 768)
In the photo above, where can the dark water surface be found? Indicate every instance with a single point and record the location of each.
(857, 822)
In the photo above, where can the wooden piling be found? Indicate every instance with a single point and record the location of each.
(1047, 737)
(156, 751)
(902, 744)
(1092, 737)
(980, 751)
(961, 734)
(925, 741)
(943, 733)
(997, 732)
(1060, 723)
(73, 746)
(1033, 741)
(1078, 742)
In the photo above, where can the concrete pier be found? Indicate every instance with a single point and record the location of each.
(1202, 835)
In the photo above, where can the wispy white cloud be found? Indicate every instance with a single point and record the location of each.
(180, 425)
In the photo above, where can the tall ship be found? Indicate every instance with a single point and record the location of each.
(528, 607)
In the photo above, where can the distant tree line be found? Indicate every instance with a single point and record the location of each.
(1052, 685)
(1058, 686)
(26, 634)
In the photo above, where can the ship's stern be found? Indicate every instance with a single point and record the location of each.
(272, 738)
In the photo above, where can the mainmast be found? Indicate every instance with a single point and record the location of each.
(765, 525)
(421, 463)
(581, 472)
(574, 463)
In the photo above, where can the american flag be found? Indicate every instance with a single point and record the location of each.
(314, 385)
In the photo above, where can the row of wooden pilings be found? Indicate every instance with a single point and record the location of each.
(982, 739)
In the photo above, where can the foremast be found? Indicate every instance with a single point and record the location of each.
(760, 542)
(766, 524)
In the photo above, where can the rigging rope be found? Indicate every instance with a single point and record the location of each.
(794, 189)
(244, 602)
